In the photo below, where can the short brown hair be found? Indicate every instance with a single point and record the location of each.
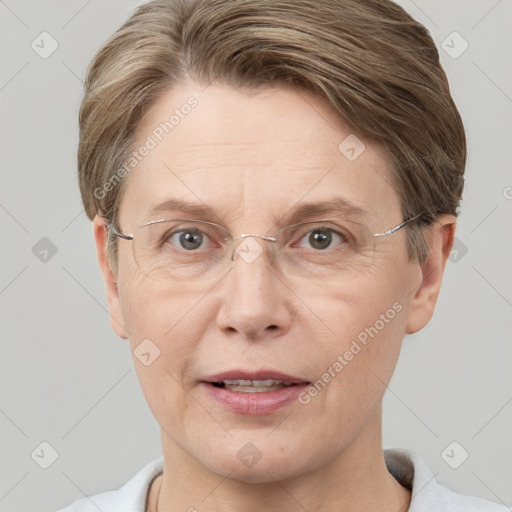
(376, 66)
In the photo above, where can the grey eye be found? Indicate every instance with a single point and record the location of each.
(322, 238)
(188, 239)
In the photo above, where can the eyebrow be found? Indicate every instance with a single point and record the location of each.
(334, 206)
(177, 205)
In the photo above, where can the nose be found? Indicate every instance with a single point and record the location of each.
(255, 300)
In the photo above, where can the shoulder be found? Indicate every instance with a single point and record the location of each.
(427, 495)
(131, 497)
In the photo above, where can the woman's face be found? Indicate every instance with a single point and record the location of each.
(254, 159)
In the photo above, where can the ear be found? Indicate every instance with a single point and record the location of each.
(114, 304)
(439, 239)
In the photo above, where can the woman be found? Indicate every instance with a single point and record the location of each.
(274, 188)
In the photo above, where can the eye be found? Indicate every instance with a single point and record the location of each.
(188, 239)
(322, 238)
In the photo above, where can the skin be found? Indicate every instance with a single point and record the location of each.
(251, 157)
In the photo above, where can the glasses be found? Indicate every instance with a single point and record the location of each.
(198, 251)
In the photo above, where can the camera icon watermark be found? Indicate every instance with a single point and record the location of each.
(507, 193)
(352, 147)
(44, 455)
(44, 45)
(454, 45)
(454, 455)
(44, 250)
(459, 250)
(249, 250)
(146, 352)
(249, 455)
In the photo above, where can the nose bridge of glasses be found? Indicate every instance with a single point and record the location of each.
(250, 250)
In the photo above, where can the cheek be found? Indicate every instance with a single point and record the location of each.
(350, 307)
(147, 309)
(166, 322)
(366, 325)
(163, 342)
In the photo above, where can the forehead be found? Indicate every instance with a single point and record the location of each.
(246, 155)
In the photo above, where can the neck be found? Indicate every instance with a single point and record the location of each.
(355, 480)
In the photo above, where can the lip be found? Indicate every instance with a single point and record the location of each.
(254, 375)
(254, 404)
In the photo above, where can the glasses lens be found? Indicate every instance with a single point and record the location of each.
(326, 249)
(181, 250)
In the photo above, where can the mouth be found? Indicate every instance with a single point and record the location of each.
(252, 386)
(253, 393)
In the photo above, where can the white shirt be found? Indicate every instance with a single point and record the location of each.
(406, 466)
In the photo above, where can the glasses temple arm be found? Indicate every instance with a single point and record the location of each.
(110, 227)
(396, 228)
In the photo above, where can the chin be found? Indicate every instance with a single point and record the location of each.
(249, 465)
(260, 473)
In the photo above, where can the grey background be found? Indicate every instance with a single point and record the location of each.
(66, 379)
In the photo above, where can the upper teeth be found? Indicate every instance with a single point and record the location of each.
(257, 383)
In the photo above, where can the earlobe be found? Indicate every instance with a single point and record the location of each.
(440, 241)
(114, 304)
